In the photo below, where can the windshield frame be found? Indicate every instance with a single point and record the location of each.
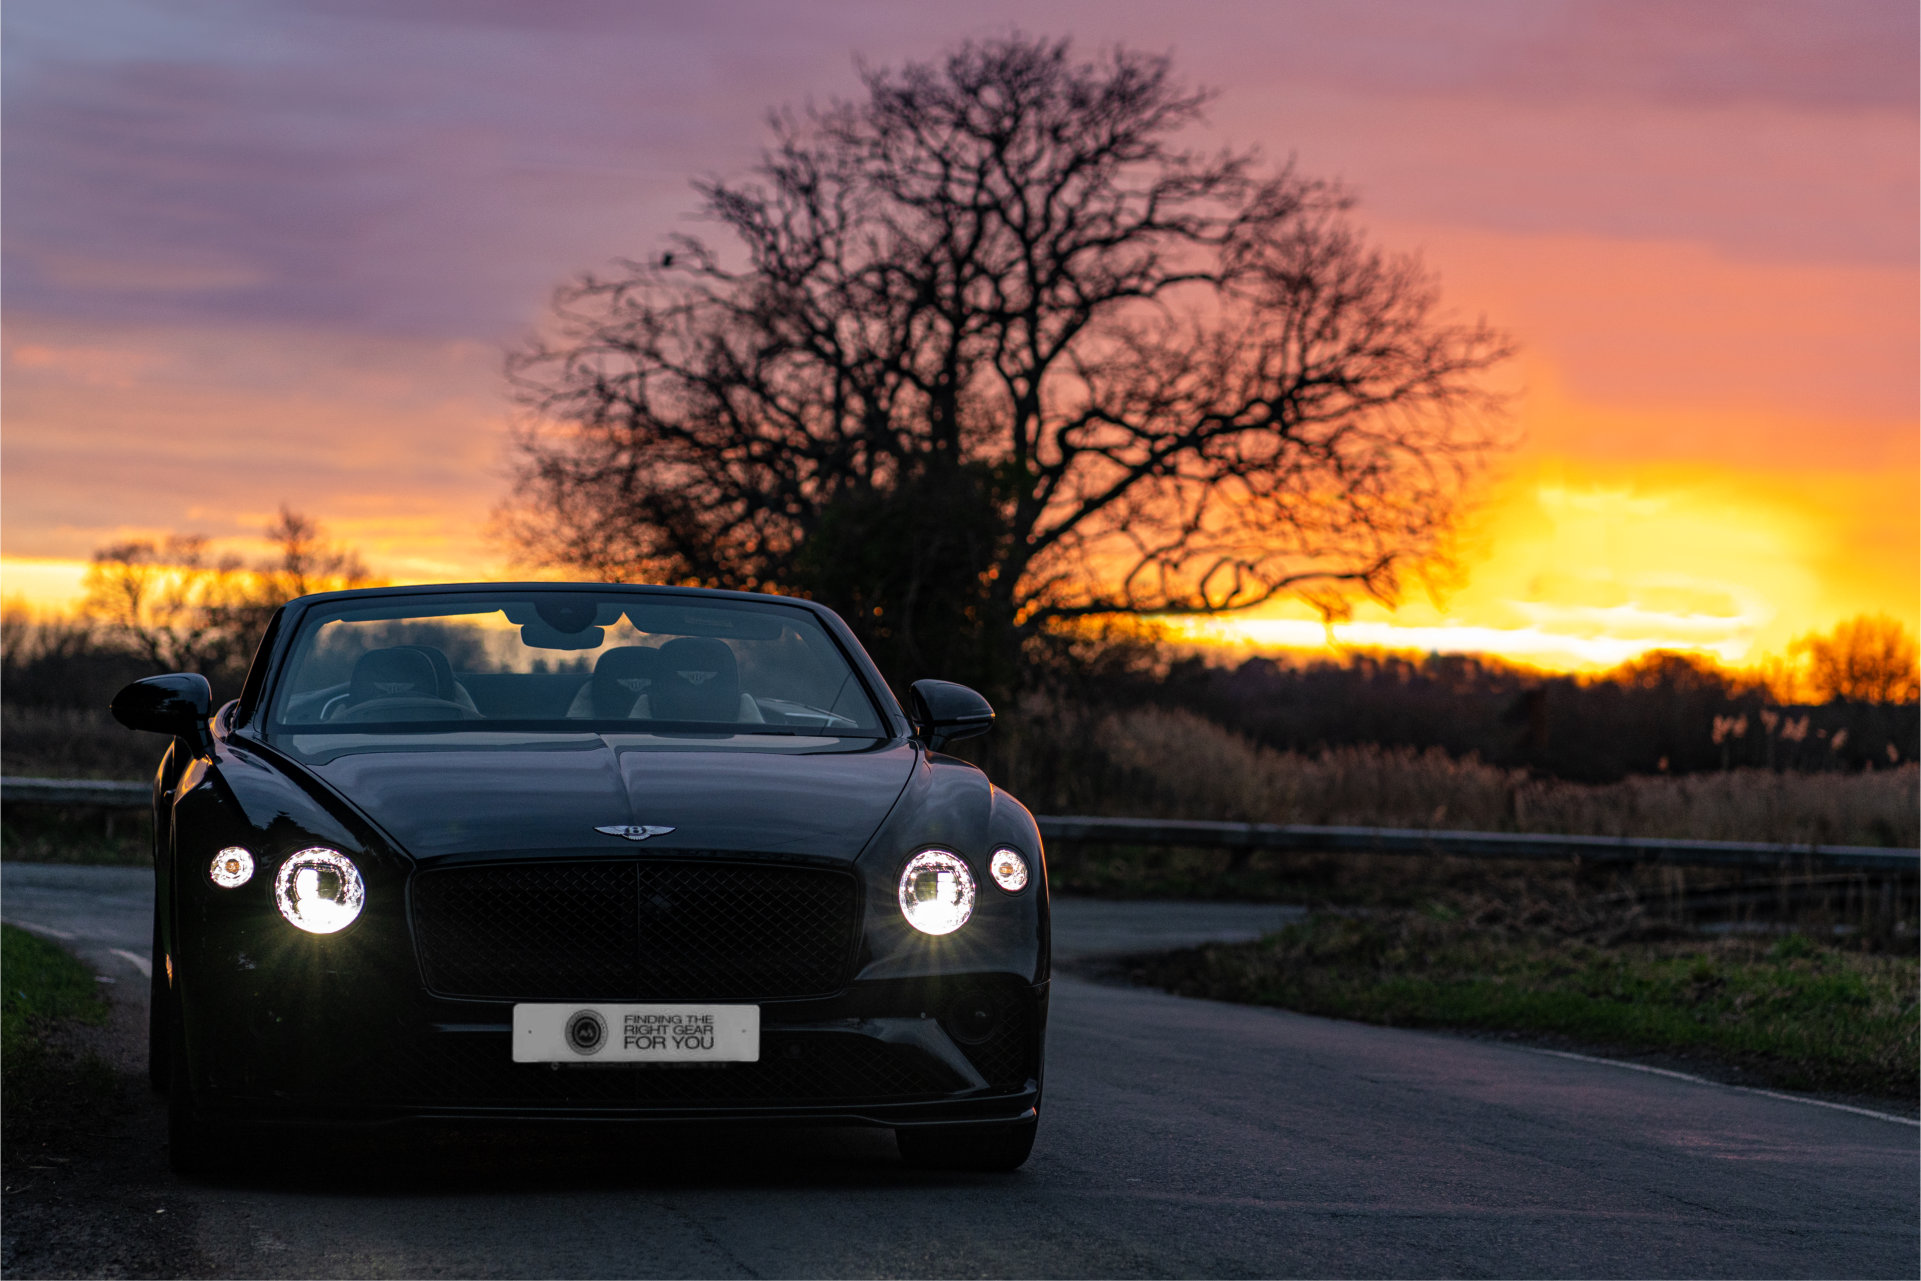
(290, 628)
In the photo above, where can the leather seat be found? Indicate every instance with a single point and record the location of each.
(445, 686)
(622, 677)
(399, 672)
(698, 680)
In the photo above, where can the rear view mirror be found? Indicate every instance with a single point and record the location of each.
(179, 704)
(540, 635)
(944, 712)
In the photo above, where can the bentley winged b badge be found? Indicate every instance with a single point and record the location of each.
(633, 832)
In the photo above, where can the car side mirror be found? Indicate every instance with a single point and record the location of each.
(179, 704)
(944, 712)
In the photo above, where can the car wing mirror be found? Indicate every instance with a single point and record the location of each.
(944, 712)
(179, 704)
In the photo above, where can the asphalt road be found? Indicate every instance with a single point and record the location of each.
(1179, 1137)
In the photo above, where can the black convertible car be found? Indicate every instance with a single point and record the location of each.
(565, 851)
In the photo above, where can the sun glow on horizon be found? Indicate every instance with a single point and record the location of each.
(1568, 569)
(1566, 566)
(1524, 646)
(40, 584)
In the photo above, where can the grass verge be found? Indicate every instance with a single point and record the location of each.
(44, 1082)
(1788, 1012)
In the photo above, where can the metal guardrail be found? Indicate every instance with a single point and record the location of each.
(1273, 836)
(107, 793)
(1544, 845)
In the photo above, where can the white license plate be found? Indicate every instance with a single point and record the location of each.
(636, 1033)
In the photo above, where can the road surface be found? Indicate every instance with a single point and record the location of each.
(1179, 1138)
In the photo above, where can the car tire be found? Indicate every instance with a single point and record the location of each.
(195, 1147)
(159, 1018)
(1002, 1146)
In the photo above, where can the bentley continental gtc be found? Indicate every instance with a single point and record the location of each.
(564, 852)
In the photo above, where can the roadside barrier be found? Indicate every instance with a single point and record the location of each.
(1535, 845)
(1088, 830)
(77, 791)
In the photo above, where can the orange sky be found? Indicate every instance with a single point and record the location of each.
(1719, 455)
(249, 262)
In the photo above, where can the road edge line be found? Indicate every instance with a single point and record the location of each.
(32, 928)
(1702, 1080)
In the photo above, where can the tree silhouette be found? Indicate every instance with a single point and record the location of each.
(1867, 659)
(181, 609)
(986, 351)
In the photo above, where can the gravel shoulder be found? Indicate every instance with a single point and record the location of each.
(88, 1193)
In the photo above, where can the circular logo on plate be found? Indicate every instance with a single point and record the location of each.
(586, 1032)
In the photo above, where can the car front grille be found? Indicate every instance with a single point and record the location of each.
(635, 930)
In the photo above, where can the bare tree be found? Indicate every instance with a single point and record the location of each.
(182, 609)
(1868, 659)
(306, 561)
(165, 599)
(991, 351)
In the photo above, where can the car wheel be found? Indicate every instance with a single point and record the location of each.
(159, 1018)
(1002, 1146)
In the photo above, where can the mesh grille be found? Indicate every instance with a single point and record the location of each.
(1005, 1056)
(634, 930)
(528, 930)
(818, 1068)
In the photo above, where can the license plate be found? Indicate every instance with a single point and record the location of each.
(636, 1033)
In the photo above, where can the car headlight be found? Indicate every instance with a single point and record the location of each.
(232, 868)
(1008, 869)
(936, 892)
(319, 890)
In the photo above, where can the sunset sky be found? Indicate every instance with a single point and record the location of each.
(266, 252)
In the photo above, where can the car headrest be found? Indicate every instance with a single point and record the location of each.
(698, 680)
(443, 670)
(392, 673)
(622, 676)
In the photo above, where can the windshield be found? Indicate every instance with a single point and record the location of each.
(568, 662)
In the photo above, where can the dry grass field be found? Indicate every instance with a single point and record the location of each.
(1162, 763)
(1155, 762)
(65, 742)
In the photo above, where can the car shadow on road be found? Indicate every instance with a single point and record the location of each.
(462, 1161)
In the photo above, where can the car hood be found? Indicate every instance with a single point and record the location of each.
(477, 796)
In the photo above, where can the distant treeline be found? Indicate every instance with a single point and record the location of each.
(166, 605)
(1843, 700)
(72, 664)
(1664, 713)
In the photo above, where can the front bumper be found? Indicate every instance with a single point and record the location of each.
(945, 1049)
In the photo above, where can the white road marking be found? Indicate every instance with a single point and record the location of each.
(138, 961)
(1745, 1089)
(48, 930)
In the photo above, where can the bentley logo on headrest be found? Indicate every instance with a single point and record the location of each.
(390, 688)
(634, 684)
(697, 678)
(633, 832)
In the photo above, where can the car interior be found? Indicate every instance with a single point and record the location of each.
(685, 679)
(570, 657)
